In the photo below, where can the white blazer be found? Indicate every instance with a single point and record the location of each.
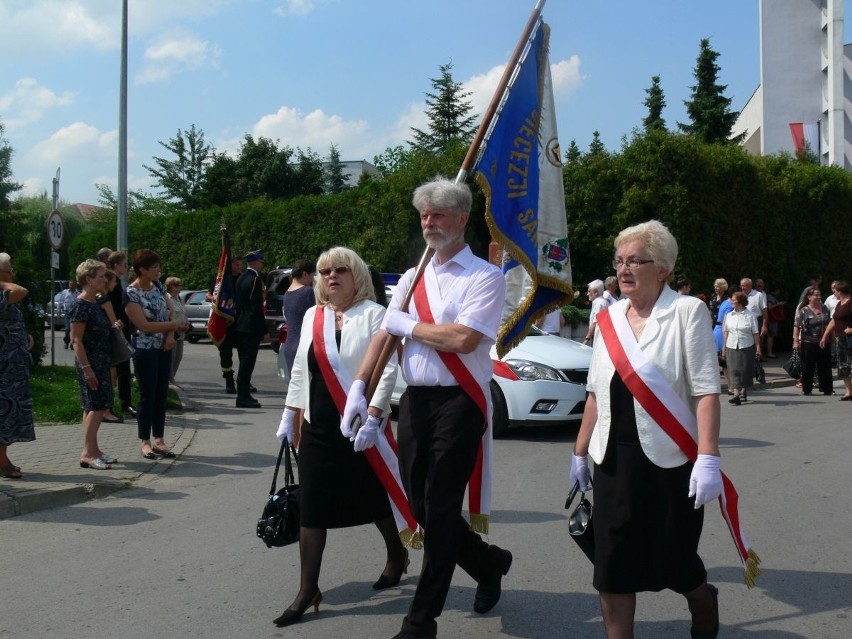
(678, 339)
(360, 324)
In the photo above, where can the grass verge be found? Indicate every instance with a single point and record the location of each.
(56, 396)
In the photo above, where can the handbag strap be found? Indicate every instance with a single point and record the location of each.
(574, 490)
(289, 479)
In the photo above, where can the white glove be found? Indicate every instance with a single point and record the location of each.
(705, 482)
(580, 471)
(399, 323)
(368, 434)
(287, 427)
(356, 406)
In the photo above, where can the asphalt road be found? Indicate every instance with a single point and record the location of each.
(177, 555)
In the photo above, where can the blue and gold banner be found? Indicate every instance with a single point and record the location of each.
(520, 172)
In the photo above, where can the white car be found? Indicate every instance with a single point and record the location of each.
(540, 381)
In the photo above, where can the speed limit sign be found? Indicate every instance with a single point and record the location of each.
(55, 230)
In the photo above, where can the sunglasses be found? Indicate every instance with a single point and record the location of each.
(338, 270)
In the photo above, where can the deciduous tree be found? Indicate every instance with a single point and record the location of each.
(182, 179)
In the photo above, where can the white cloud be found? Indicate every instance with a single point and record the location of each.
(48, 26)
(28, 101)
(316, 130)
(177, 52)
(79, 142)
(134, 182)
(566, 76)
(32, 187)
(294, 8)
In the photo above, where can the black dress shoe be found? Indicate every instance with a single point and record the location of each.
(247, 402)
(291, 616)
(408, 635)
(488, 592)
(387, 582)
(252, 389)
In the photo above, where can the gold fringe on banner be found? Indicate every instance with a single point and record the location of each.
(752, 569)
(479, 523)
(411, 539)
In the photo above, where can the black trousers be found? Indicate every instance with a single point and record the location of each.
(439, 433)
(247, 347)
(226, 350)
(814, 357)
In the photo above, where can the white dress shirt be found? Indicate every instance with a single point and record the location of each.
(464, 290)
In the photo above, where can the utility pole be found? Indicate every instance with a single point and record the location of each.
(122, 138)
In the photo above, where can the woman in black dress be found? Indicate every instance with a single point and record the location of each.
(338, 487)
(90, 340)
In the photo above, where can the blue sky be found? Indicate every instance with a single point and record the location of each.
(311, 73)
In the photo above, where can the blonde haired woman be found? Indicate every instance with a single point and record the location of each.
(338, 486)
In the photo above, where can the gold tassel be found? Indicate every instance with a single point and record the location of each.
(479, 523)
(411, 539)
(752, 569)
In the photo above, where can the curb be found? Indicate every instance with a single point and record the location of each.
(30, 501)
(24, 500)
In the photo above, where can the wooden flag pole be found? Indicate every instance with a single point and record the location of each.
(392, 341)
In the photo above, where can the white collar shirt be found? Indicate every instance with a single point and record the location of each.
(756, 302)
(468, 291)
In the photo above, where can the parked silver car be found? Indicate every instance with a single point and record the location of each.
(197, 312)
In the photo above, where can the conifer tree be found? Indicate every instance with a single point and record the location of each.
(711, 118)
(448, 110)
(655, 102)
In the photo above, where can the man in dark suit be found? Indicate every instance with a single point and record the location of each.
(249, 293)
(226, 348)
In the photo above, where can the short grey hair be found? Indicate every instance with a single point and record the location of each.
(441, 193)
(661, 244)
(343, 256)
(5, 260)
(597, 285)
(87, 270)
(612, 279)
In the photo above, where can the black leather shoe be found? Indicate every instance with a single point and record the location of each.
(488, 592)
(247, 402)
(252, 389)
(408, 635)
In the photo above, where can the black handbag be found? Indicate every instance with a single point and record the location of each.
(580, 522)
(121, 350)
(279, 523)
(793, 366)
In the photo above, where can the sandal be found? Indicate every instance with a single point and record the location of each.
(95, 464)
(165, 452)
(147, 454)
(112, 419)
(10, 472)
(107, 459)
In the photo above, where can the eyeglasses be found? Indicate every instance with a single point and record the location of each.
(338, 270)
(630, 262)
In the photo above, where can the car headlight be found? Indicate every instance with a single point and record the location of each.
(531, 371)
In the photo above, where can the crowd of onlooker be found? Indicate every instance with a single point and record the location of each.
(747, 320)
(106, 325)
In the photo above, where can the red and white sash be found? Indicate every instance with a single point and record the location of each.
(479, 484)
(654, 393)
(383, 458)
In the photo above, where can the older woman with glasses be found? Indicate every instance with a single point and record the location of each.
(16, 416)
(653, 353)
(339, 487)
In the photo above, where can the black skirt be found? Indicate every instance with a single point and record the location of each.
(337, 486)
(646, 528)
